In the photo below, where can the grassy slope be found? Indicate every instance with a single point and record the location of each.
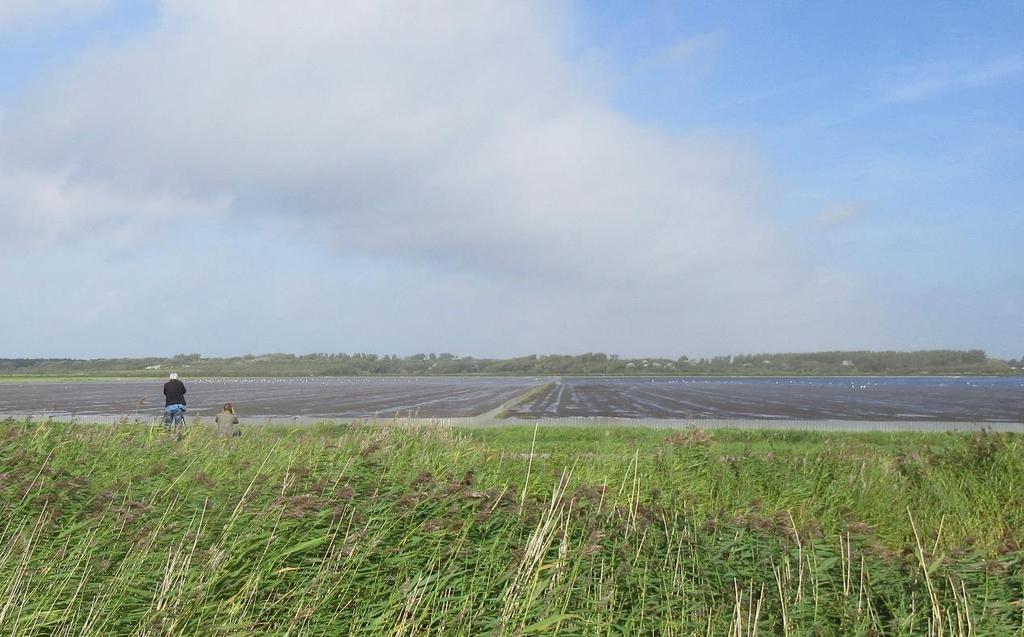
(331, 530)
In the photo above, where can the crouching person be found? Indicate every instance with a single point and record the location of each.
(226, 421)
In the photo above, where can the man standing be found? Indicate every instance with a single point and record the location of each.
(174, 395)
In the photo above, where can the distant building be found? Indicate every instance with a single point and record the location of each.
(847, 363)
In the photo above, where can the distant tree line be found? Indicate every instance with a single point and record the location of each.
(593, 363)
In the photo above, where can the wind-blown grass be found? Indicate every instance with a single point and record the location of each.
(385, 530)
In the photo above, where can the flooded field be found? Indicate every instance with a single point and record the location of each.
(979, 399)
(968, 399)
(280, 397)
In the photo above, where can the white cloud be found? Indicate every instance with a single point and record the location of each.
(923, 82)
(47, 208)
(839, 213)
(690, 47)
(30, 14)
(453, 139)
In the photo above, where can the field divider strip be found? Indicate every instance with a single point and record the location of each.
(500, 412)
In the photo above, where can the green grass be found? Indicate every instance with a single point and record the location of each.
(335, 530)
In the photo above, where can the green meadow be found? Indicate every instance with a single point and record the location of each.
(393, 530)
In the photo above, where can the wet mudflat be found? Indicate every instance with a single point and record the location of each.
(968, 399)
(279, 397)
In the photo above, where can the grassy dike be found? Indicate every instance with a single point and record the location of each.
(334, 530)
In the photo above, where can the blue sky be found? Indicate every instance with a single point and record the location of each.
(915, 109)
(655, 178)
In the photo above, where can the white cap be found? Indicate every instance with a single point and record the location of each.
(174, 375)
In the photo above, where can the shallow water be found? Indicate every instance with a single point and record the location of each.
(967, 399)
(282, 397)
(980, 399)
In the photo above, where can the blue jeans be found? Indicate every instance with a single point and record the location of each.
(174, 414)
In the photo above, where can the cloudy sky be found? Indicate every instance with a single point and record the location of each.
(495, 178)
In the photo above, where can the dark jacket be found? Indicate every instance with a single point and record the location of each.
(174, 392)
